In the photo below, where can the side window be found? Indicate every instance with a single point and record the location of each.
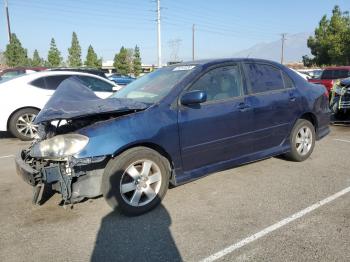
(263, 78)
(96, 85)
(39, 83)
(220, 83)
(288, 83)
(49, 82)
(52, 82)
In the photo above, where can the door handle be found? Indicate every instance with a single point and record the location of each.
(292, 97)
(243, 107)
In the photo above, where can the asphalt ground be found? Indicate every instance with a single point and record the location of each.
(226, 216)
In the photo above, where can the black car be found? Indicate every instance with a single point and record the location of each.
(340, 98)
(93, 71)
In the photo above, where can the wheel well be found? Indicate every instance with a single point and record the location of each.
(153, 146)
(310, 117)
(14, 112)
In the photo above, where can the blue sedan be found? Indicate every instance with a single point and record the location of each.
(174, 125)
(121, 79)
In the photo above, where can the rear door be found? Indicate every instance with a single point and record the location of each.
(217, 130)
(273, 99)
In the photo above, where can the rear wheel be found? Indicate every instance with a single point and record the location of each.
(21, 124)
(136, 181)
(302, 140)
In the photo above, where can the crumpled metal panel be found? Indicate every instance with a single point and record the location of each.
(72, 99)
(345, 82)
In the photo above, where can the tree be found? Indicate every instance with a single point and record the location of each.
(36, 60)
(331, 43)
(91, 58)
(121, 62)
(74, 57)
(54, 58)
(307, 61)
(15, 54)
(136, 63)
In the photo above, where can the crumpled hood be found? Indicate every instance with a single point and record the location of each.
(72, 99)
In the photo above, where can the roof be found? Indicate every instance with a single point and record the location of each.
(223, 60)
(35, 75)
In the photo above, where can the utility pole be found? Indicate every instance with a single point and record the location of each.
(158, 36)
(8, 20)
(193, 42)
(283, 39)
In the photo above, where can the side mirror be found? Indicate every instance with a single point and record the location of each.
(194, 97)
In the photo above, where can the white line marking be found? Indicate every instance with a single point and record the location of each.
(6, 156)
(342, 140)
(274, 227)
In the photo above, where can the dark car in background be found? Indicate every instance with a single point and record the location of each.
(120, 79)
(93, 71)
(174, 125)
(340, 98)
(330, 75)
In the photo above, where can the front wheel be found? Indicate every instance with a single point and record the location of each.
(21, 124)
(136, 181)
(302, 140)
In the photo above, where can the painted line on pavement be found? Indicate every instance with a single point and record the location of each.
(274, 227)
(342, 140)
(6, 156)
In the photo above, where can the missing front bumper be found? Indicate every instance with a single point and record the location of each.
(74, 180)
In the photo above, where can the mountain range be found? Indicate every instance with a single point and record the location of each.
(294, 48)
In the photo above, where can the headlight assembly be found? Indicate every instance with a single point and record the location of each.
(59, 146)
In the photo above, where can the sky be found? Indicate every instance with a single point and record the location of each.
(222, 27)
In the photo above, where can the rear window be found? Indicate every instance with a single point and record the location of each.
(49, 82)
(335, 73)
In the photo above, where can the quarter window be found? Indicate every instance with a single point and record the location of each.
(49, 82)
(220, 83)
(288, 83)
(263, 78)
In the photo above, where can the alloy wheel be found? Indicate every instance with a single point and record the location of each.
(303, 140)
(25, 125)
(140, 183)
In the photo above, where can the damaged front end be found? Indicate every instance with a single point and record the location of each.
(49, 164)
(340, 97)
(52, 161)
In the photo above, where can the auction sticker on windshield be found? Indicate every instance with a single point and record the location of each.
(183, 68)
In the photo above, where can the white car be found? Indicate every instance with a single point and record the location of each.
(21, 98)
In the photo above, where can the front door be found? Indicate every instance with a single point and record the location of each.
(217, 130)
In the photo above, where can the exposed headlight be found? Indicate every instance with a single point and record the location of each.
(60, 146)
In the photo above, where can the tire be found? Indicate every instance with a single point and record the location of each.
(126, 188)
(301, 146)
(19, 120)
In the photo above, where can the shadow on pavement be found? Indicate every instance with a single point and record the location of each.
(143, 238)
(5, 135)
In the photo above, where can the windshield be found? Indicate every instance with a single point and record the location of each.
(5, 79)
(152, 87)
